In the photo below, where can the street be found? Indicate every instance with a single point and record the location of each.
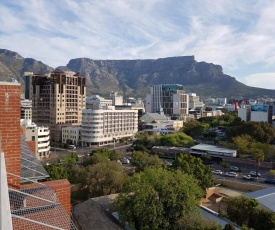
(58, 153)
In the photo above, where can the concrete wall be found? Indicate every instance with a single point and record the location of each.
(264, 164)
(238, 185)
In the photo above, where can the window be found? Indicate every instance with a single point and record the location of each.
(33, 138)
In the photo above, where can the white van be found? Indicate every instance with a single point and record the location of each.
(72, 147)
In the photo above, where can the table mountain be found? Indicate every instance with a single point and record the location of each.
(134, 77)
(12, 65)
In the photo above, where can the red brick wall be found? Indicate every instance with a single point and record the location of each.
(32, 146)
(63, 192)
(10, 129)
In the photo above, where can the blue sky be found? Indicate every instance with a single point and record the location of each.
(239, 35)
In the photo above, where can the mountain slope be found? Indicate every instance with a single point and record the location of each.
(134, 77)
(12, 65)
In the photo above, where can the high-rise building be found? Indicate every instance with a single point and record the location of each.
(169, 99)
(58, 99)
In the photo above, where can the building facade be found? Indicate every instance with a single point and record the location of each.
(71, 135)
(169, 99)
(100, 127)
(97, 102)
(256, 112)
(58, 99)
(39, 136)
(26, 109)
(195, 102)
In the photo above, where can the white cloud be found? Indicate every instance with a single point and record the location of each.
(262, 80)
(235, 34)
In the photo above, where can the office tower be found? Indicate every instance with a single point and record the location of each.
(58, 99)
(169, 99)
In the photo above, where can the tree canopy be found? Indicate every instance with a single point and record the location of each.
(259, 131)
(246, 212)
(194, 166)
(157, 199)
(143, 160)
(177, 140)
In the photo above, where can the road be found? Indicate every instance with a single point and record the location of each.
(58, 153)
(245, 170)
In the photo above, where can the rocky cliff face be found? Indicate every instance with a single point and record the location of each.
(134, 77)
(12, 65)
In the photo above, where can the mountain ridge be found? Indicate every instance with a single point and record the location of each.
(134, 77)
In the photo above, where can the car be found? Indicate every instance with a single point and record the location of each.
(231, 174)
(270, 181)
(125, 160)
(217, 171)
(254, 173)
(248, 177)
(234, 168)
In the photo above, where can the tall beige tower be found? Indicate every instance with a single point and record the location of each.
(58, 99)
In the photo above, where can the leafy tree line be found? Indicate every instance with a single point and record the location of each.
(246, 212)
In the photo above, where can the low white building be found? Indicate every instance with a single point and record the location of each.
(103, 126)
(39, 136)
(71, 135)
(153, 117)
(26, 109)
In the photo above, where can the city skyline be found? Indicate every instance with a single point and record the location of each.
(238, 35)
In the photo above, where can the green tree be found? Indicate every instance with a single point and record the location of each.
(94, 159)
(103, 152)
(143, 160)
(116, 155)
(228, 227)
(157, 199)
(258, 156)
(194, 221)
(240, 210)
(262, 219)
(57, 171)
(177, 140)
(195, 128)
(225, 165)
(195, 167)
(272, 172)
(104, 178)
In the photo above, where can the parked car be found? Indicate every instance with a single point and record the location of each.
(248, 177)
(125, 160)
(234, 168)
(254, 173)
(270, 181)
(231, 174)
(217, 171)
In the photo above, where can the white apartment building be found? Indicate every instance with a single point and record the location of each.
(26, 109)
(100, 127)
(71, 135)
(39, 136)
(194, 101)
